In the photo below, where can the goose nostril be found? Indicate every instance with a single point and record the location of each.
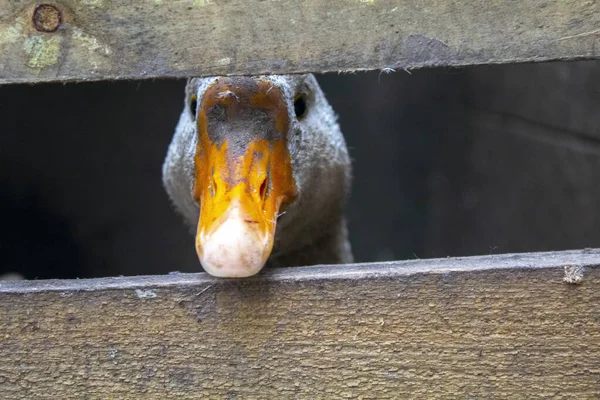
(212, 186)
(263, 189)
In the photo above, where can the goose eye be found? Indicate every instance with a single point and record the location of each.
(300, 107)
(193, 106)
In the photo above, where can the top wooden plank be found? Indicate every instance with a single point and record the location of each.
(104, 39)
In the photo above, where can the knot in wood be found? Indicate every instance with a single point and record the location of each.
(47, 18)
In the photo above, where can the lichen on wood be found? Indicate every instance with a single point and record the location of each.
(97, 39)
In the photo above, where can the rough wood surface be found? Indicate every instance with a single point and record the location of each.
(101, 39)
(482, 327)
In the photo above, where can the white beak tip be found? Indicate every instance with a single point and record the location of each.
(235, 250)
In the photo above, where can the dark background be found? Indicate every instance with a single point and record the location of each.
(447, 162)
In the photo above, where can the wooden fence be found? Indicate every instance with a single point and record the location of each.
(506, 326)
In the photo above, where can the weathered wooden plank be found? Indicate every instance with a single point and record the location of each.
(101, 39)
(481, 327)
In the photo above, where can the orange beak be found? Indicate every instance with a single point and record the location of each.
(243, 174)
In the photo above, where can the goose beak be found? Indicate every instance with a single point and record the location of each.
(243, 174)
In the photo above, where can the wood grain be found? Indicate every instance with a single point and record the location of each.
(480, 327)
(102, 39)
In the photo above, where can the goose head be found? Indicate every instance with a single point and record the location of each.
(259, 169)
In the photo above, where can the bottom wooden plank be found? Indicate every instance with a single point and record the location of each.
(505, 326)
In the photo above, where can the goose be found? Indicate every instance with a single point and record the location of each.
(259, 170)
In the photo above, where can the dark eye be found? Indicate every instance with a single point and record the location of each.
(193, 106)
(300, 107)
